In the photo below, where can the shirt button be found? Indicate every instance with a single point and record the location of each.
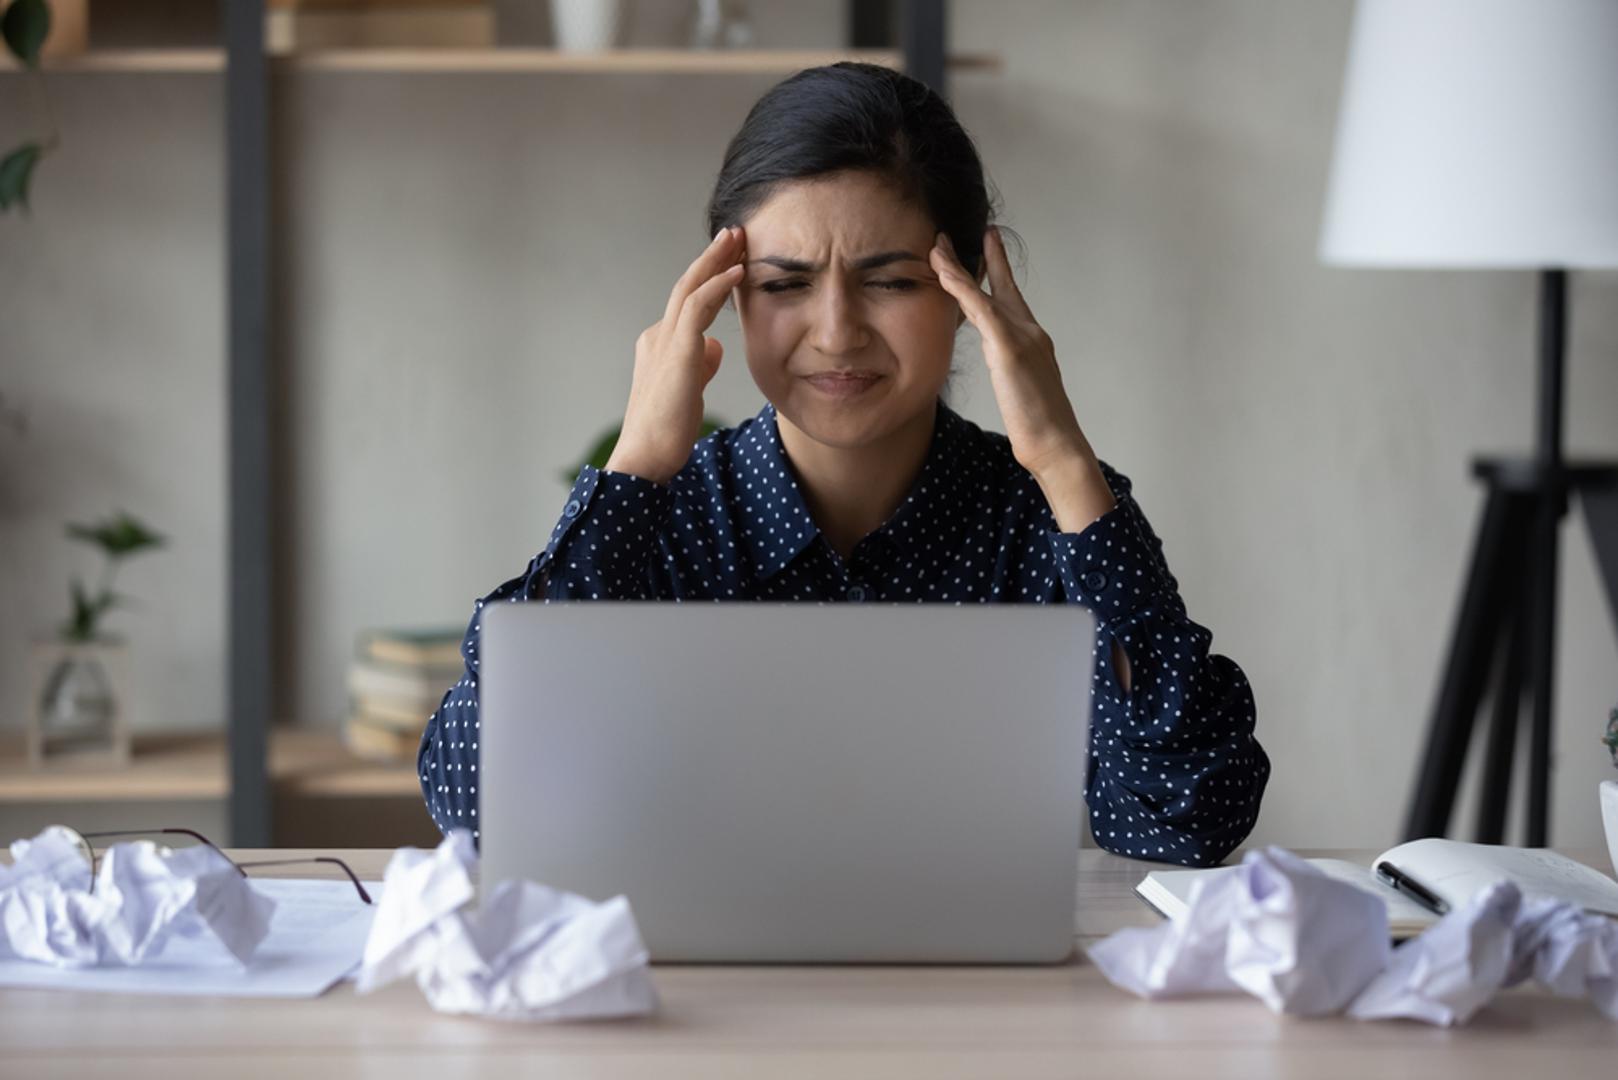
(572, 508)
(856, 593)
(1094, 580)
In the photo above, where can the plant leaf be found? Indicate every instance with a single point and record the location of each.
(598, 455)
(129, 534)
(16, 169)
(25, 25)
(119, 535)
(81, 626)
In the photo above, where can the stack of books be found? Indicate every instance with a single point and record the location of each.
(396, 682)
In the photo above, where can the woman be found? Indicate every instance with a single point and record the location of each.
(850, 227)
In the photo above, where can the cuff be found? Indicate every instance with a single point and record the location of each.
(620, 514)
(1109, 568)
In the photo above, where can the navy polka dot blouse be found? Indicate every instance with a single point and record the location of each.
(1175, 772)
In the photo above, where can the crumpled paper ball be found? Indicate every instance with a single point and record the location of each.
(1275, 927)
(1307, 944)
(529, 953)
(142, 898)
(1497, 940)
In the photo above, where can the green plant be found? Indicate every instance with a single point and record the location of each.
(602, 450)
(25, 24)
(1611, 737)
(119, 537)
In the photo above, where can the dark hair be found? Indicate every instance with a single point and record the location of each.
(854, 116)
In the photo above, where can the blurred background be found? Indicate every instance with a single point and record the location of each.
(462, 253)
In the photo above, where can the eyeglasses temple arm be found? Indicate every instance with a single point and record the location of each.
(316, 858)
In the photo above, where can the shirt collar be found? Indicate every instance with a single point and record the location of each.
(776, 525)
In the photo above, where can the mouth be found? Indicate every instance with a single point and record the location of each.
(843, 384)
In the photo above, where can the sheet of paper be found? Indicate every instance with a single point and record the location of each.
(1458, 871)
(317, 936)
(1170, 890)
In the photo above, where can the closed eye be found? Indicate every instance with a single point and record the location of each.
(895, 285)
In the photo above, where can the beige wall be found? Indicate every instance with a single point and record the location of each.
(467, 261)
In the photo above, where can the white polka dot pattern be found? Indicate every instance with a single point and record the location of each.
(1176, 774)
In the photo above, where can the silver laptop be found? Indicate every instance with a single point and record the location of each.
(794, 782)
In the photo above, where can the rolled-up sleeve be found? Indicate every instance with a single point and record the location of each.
(1176, 773)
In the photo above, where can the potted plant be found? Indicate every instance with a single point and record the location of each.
(81, 677)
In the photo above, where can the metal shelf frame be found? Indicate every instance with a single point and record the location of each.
(254, 348)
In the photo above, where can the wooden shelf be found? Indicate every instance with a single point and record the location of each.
(490, 61)
(155, 61)
(303, 763)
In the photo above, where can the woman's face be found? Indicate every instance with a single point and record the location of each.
(847, 331)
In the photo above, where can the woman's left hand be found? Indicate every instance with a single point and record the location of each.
(1045, 435)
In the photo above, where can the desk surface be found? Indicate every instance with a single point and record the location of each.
(805, 1021)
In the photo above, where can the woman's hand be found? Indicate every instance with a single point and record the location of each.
(674, 362)
(1021, 358)
(1045, 435)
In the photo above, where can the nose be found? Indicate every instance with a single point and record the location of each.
(838, 328)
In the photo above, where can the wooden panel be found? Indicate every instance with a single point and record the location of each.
(516, 60)
(303, 763)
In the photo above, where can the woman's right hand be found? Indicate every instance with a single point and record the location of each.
(674, 362)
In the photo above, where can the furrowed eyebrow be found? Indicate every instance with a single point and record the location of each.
(868, 262)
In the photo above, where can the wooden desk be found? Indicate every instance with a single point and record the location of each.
(803, 1022)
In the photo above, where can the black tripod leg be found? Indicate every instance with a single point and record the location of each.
(1542, 660)
(1494, 783)
(1601, 515)
(1477, 628)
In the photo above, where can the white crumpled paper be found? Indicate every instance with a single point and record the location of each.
(529, 953)
(141, 899)
(1307, 944)
(1275, 927)
(1497, 940)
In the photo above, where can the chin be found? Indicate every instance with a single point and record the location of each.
(848, 424)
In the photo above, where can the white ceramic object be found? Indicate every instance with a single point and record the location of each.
(1609, 817)
(587, 25)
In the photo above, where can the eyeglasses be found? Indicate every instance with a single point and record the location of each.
(242, 867)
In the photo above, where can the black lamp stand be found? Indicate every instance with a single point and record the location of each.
(1507, 619)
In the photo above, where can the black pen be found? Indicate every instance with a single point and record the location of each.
(1421, 894)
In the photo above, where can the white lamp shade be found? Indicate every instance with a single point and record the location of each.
(1477, 133)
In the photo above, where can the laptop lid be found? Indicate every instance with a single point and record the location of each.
(794, 782)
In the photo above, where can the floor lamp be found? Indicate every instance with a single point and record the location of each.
(1483, 134)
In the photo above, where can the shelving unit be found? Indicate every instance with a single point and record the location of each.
(321, 793)
(493, 61)
(295, 782)
(191, 765)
